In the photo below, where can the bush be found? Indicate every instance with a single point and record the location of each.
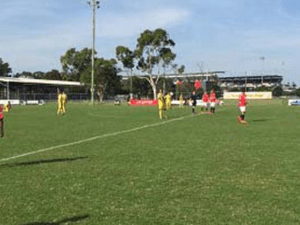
(277, 91)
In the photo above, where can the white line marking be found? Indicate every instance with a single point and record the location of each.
(91, 139)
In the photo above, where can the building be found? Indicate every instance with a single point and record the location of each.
(250, 82)
(36, 89)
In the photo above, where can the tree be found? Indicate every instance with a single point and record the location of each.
(277, 91)
(298, 92)
(153, 52)
(52, 75)
(77, 66)
(74, 63)
(106, 80)
(126, 57)
(38, 75)
(24, 74)
(5, 70)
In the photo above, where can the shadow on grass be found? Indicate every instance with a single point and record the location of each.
(61, 222)
(260, 120)
(30, 163)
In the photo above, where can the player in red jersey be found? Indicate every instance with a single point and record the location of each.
(212, 99)
(205, 100)
(1, 123)
(242, 106)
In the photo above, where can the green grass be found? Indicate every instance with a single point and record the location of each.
(197, 170)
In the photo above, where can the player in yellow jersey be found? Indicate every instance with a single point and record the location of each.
(64, 99)
(168, 101)
(6, 107)
(180, 101)
(161, 103)
(59, 104)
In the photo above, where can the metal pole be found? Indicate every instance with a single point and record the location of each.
(7, 90)
(93, 4)
(131, 94)
(246, 81)
(164, 84)
(93, 50)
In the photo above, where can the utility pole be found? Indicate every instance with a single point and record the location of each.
(94, 4)
(8, 97)
(246, 81)
(164, 84)
(131, 93)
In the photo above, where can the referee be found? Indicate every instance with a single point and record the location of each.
(194, 101)
(1, 123)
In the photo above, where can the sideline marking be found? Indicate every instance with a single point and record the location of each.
(94, 138)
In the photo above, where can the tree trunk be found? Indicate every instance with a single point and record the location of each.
(100, 95)
(153, 85)
(154, 91)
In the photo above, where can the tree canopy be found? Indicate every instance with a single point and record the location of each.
(5, 69)
(74, 63)
(153, 53)
(77, 66)
(106, 79)
(126, 56)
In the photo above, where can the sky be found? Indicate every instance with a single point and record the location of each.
(252, 37)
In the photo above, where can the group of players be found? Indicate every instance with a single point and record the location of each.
(209, 101)
(62, 99)
(164, 103)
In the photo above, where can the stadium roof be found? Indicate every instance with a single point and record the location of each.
(174, 75)
(39, 81)
(266, 78)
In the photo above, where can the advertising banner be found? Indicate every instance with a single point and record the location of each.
(294, 102)
(12, 101)
(143, 102)
(249, 95)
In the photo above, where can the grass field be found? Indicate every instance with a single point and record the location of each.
(112, 165)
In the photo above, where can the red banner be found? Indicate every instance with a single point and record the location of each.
(143, 102)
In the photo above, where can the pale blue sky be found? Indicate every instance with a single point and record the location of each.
(229, 35)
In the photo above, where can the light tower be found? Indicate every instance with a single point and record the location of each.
(94, 4)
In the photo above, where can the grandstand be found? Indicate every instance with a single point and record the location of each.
(24, 88)
(39, 89)
(210, 75)
(250, 82)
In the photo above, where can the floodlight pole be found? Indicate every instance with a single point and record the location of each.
(131, 94)
(93, 4)
(8, 97)
(246, 81)
(164, 83)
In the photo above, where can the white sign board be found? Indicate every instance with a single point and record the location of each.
(176, 102)
(249, 95)
(294, 102)
(33, 102)
(12, 101)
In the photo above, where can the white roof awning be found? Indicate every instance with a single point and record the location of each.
(39, 81)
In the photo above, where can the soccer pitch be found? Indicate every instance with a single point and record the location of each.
(111, 165)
